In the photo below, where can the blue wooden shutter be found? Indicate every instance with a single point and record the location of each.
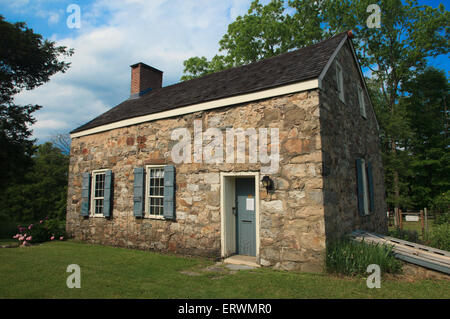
(107, 199)
(138, 198)
(370, 181)
(169, 192)
(85, 192)
(359, 173)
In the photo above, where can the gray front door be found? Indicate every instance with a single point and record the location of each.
(245, 216)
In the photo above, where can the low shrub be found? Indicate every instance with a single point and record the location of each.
(439, 237)
(44, 230)
(56, 227)
(443, 218)
(405, 234)
(352, 258)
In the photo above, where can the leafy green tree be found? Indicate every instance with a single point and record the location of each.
(428, 146)
(394, 53)
(43, 190)
(265, 31)
(26, 61)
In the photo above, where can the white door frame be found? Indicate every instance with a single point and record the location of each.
(223, 213)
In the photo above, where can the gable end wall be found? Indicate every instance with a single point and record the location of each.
(346, 136)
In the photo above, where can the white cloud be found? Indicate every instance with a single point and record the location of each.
(53, 18)
(116, 34)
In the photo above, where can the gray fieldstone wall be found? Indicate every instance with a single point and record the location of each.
(346, 136)
(313, 198)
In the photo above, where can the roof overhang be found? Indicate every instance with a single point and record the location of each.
(234, 100)
(244, 98)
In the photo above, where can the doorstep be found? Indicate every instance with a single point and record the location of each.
(242, 260)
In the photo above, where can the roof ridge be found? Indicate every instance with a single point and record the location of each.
(259, 61)
(295, 66)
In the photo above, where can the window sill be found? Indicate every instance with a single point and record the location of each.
(146, 216)
(97, 216)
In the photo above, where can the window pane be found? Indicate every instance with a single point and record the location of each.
(99, 185)
(99, 206)
(156, 191)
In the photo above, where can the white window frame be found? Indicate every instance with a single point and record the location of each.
(340, 81)
(362, 102)
(365, 187)
(147, 196)
(93, 198)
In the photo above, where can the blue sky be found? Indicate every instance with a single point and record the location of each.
(115, 34)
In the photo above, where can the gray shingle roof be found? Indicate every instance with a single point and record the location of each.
(295, 66)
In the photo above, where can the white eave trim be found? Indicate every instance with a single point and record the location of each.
(330, 61)
(364, 84)
(244, 98)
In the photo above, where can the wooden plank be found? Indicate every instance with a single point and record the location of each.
(408, 251)
(423, 263)
(415, 245)
(409, 244)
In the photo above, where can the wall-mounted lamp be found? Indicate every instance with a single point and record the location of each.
(267, 183)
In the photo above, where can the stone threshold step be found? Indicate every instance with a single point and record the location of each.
(242, 260)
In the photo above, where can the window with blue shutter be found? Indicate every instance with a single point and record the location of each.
(370, 182)
(138, 196)
(85, 191)
(359, 174)
(108, 193)
(363, 187)
(156, 197)
(169, 192)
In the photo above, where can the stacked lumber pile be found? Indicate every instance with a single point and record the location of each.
(417, 254)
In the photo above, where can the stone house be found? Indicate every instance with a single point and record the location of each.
(269, 160)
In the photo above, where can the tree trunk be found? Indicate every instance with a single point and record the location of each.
(396, 179)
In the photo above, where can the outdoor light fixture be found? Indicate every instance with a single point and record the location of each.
(267, 183)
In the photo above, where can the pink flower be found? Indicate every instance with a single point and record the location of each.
(21, 238)
(29, 238)
(16, 236)
(24, 243)
(31, 226)
(53, 237)
(61, 238)
(41, 221)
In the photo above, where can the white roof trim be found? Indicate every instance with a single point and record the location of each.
(364, 83)
(287, 89)
(330, 61)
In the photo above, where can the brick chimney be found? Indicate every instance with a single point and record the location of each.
(144, 78)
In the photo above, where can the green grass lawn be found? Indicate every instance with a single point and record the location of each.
(107, 272)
